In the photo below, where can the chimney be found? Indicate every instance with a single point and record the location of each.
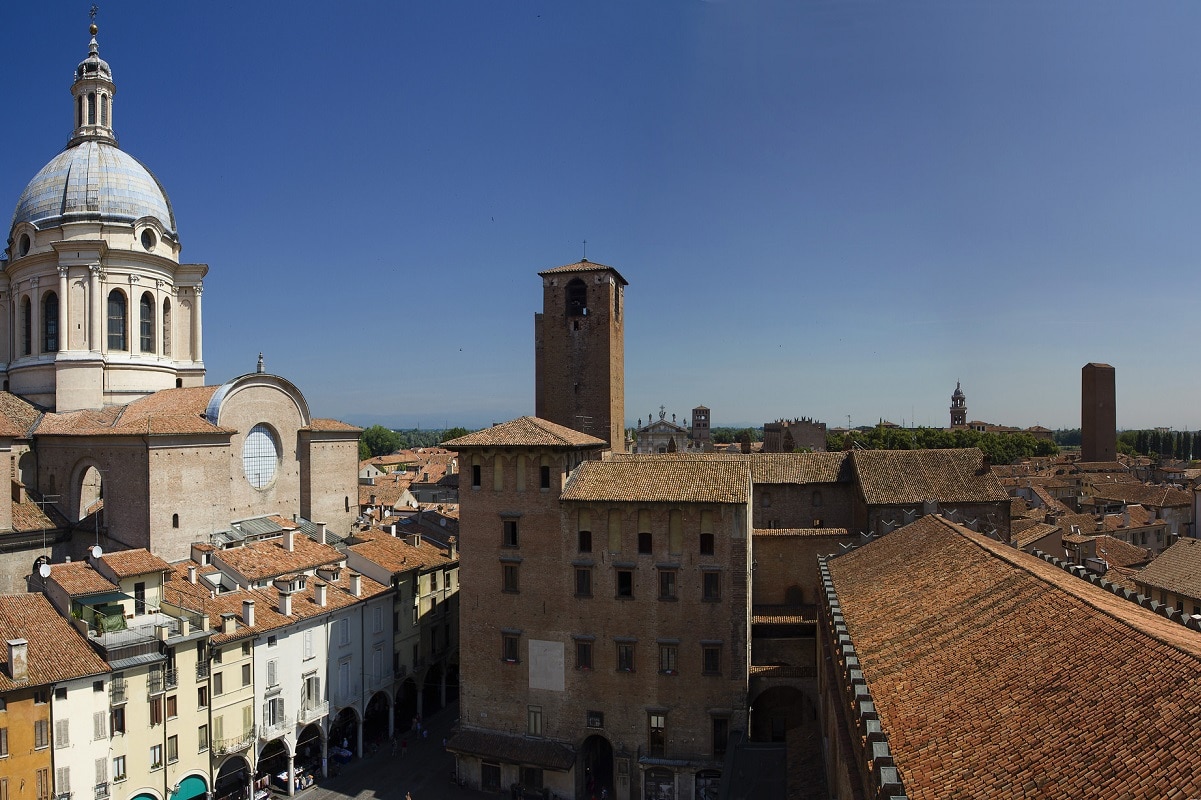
(285, 603)
(393, 527)
(414, 539)
(228, 622)
(321, 532)
(371, 500)
(356, 584)
(452, 545)
(192, 574)
(18, 659)
(319, 593)
(248, 613)
(288, 539)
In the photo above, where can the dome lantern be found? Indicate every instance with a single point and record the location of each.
(93, 92)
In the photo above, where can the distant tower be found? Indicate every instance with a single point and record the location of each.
(958, 408)
(1098, 413)
(579, 351)
(700, 428)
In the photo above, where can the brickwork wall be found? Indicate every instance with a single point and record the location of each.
(329, 479)
(580, 360)
(787, 563)
(779, 505)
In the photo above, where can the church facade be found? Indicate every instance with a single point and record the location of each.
(112, 435)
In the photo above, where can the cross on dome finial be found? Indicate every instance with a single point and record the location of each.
(92, 14)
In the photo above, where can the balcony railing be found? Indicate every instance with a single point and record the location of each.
(102, 791)
(162, 680)
(312, 711)
(202, 670)
(278, 728)
(223, 746)
(117, 691)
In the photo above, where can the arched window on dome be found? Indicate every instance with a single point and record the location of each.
(104, 110)
(117, 318)
(50, 323)
(79, 111)
(26, 327)
(91, 108)
(146, 323)
(167, 326)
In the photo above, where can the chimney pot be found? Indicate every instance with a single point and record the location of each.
(285, 604)
(321, 533)
(289, 542)
(319, 593)
(248, 613)
(356, 584)
(192, 574)
(228, 622)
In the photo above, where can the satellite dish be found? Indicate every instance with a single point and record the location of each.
(97, 552)
(44, 570)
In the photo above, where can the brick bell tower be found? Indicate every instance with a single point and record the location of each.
(579, 351)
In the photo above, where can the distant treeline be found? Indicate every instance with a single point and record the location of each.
(380, 441)
(1180, 445)
(1002, 448)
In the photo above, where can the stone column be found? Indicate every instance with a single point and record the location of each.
(291, 774)
(325, 755)
(359, 738)
(95, 344)
(158, 317)
(35, 317)
(442, 686)
(64, 310)
(197, 327)
(392, 721)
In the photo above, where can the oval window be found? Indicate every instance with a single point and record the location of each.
(260, 456)
(23, 245)
(148, 238)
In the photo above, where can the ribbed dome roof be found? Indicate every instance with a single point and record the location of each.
(93, 180)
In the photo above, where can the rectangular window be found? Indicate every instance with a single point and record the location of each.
(202, 737)
(172, 707)
(41, 734)
(172, 749)
(246, 648)
(510, 647)
(202, 697)
(41, 696)
(218, 683)
(668, 659)
(272, 641)
(533, 720)
(721, 733)
(490, 776)
(625, 583)
(711, 586)
(246, 675)
(119, 768)
(101, 776)
(531, 779)
(475, 476)
(584, 544)
(345, 628)
(62, 781)
(118, 718)
(667, 584)
(43, 783)
(3, 742)
(711, 659)
(216, 655)
(583, 581)
(273, 672)
(595, 719)
(509, 578)
(656, 723)
(509, 533)
(645, 543)
(625, 656)
(156, 711)
(706, 544)
(156, 756)
(62, 733)
(544, 477)
(99, 725)
(377, 624)
(584, 528)
(218, 728)
(583, 654)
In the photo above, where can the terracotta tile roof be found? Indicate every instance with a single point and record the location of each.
(817, 533)
(268, 559)
(891, 477)
(980, 656)
(1031, 534)
(653, 480)
(395, 554)
(321, 424)
(582, 266)
(1158, 496)
(127, 563)
(28, 516)
(1099, 466)
(57, 652)
(169, 411)
(1177, 569)
(77, 578)
(1119, 553)
(525, 432)
(386, 489)
(17, 416)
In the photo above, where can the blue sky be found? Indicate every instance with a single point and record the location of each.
(823, 208)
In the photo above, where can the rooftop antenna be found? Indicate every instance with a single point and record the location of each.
(585, 258)
(47, 499)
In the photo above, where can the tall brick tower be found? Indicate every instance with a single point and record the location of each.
(1098, 413)
(579, 351)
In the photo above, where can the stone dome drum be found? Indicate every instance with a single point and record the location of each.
(94, 180)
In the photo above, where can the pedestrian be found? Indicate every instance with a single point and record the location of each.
(425, 734)
(408, 796)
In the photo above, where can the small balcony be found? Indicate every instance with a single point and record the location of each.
(237, 744)
(102, 791)
(117, 691)
(202, 670)
(162, 680)
(309, 712)
(275, 729)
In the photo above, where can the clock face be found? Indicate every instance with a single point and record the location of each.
(260, 456)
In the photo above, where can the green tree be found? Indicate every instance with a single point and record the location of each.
(380, 441)
(454, 433)
(364, 450)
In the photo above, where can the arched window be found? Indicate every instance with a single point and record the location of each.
(175, 520)
(50, 323)
(116, 320)
(79, 111)
(104, 109)
(91, 108)
(167, 326)
(577, 298)
(26, 327)
(146, 323)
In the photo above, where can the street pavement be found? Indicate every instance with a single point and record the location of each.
(425, 770)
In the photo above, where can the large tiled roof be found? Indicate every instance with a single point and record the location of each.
(976, 654)
(17, 416)
(1142, 494)
(57, 652)
(1119, 553)
(127, 563)
(395, 554)
(801, 533)
(166, 412)
(525, 432)
(322, 424)
(582, 266)
(1177, 569)
(768, 467)
(77, 578)
(659, 481)
(268, 559)
(891, 477)
(1030, 534)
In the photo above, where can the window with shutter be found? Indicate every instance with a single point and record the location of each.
(271, 672)
(101, 770)
(99, 726)
(62, 733)
(308, 644)
(62, 780)
(41, 734)
(219, 728)
(3, 741)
